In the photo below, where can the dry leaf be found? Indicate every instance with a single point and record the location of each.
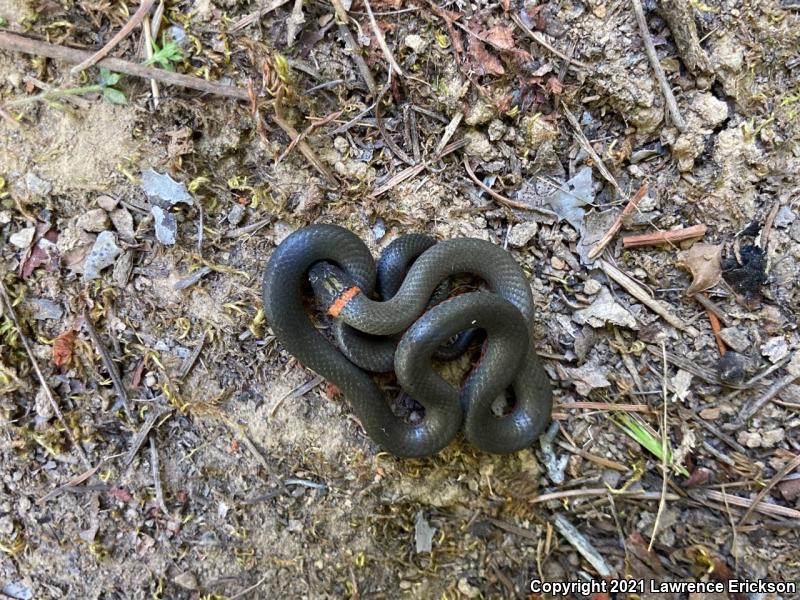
(484, 62)
(502, 37)
(704, 263)
(62, 348)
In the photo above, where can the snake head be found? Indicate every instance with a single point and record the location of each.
(333, 288)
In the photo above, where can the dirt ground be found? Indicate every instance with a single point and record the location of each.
(209, 469)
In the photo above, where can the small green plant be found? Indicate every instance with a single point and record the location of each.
(104, 86)
(640, 432)
(166, 56)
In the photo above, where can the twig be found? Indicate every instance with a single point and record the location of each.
(154, 462)
(255, 16)
(764, 241)
(713, 307)
(42, 381)
(669, 98)
(766, 508)
(539, 39)
(344, 30)
(306, 131)
(300, 390)
(582, 545)
(665, 453)
(664, 237)
(716, 330)
(756, 378)
(587, 146)
(449, 131)
(188, 363)
(387, 53)
(599, 492)
(499, 197)
(788, 468)
(110, 366)
(77, 480)
(17, 43)
(752, 407)
(409, 172)
(304, 148)
(617, 225)
(246, 591)
(148, 52)
(133, 22)
(9, 119)
(141, 435)
(638, 292)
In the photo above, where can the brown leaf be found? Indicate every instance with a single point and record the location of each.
(484, 62)
(62, 348)
(638, 544)
(703, 262)
(500, 36)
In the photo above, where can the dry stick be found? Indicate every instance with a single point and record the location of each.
(342, 19)
(110, 365)
(141, 435)
(18, 43)
(255, 16)
(664, 237)
(600, 492)
(387, 53)
(539, 39)
(304, 148)
(766, 508)
(716, 330)
(764, 241)
(154, 462)
(77, 480)
(148, 52)
(669, 98)
(617, 225)
(409, 172)
(713, 307)
(138, 17)
(788, 468)
(662, 503)
(50, 398)
(582, 545)
(306, 132)
(499, 197)
(587, 146)
(752, 407)
(638, 292)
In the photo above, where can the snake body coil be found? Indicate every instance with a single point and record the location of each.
(343, 274)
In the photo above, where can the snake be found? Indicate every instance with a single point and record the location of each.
(343, 276)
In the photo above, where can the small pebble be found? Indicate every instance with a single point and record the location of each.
(37, 185)
(558, 263)
(103, 254)
(735, 338)
(166, 226)
(731, 368)
(521, 234)
(22, 238)
(95, 220)
(107, 203)
(123, 223)
(591, 286)
(236, 214)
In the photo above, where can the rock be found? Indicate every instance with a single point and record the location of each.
(236, 214)
(481, 112)
(416, 42)
(44, 309)
(107, 203)
(95, 220)
(605, 309)
(187, 580)
(164, 188)
(123, 223)
(479, 146)
(42, 406)
(784, 218)
(5, 217)
(731, 368)
(775, 348)
(536, 131)
(749, 439)
(521, 234)
(735, 338)
(23, 238)
(36, 185)
(102, 255)
(772, 437)
(166, 226)
(591, 286)
(496, 130)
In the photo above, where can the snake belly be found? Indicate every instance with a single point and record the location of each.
(505, 313)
